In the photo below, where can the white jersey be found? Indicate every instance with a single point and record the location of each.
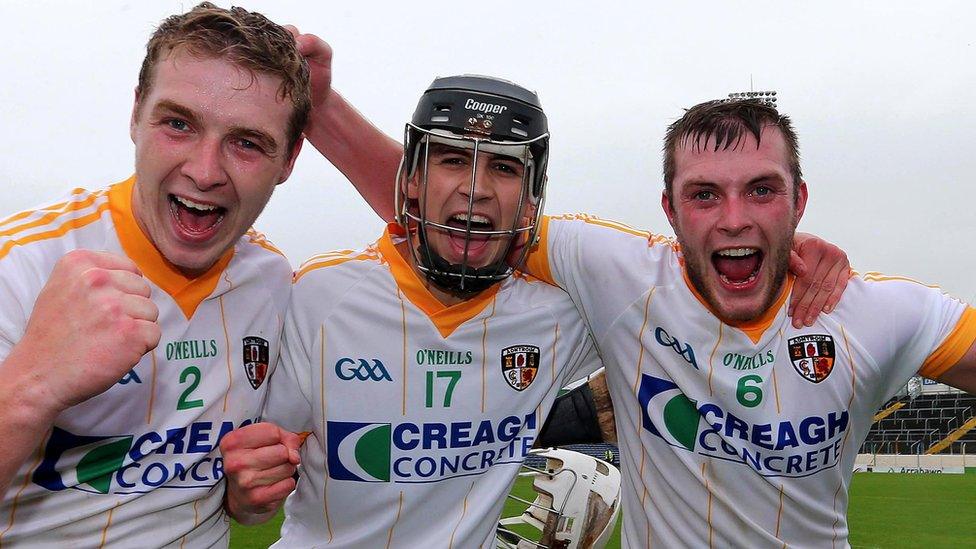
(740, 435)
(420, 413)
(138, 465)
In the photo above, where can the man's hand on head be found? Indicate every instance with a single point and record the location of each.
(822, 271)
(364, 154)
(318, 54)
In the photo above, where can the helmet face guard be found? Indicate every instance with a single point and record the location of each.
(577, 505)
(479, 116)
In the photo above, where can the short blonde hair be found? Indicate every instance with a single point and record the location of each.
(247, 39)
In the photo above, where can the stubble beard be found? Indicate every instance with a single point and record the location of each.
(696, 274)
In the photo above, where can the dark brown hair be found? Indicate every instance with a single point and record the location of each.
(724, 122)
(247, 39)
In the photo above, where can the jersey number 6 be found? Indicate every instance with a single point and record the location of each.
(749, 395)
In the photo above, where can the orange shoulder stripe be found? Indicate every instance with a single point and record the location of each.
(617, 226)
(594, 220)
(55, 211)
(64, 228)
(310, 266)
(959, 340)
(48, 208)
(328, 255)
(878, 277)
(255, 237)
(51, 207)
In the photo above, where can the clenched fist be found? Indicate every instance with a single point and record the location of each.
(259, 461)
(92, 322)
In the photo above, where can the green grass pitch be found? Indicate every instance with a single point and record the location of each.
(886, 510)
(909, 510)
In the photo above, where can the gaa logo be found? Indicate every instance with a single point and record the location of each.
(348, 369)
(520, 364)
(359, 451)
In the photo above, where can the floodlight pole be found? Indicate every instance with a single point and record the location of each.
(765, 97)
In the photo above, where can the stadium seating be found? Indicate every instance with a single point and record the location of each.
(599, 451)
(921, 423)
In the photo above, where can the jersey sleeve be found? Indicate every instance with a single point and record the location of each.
(10, 328)
(576, 352)
(289, 404)
(959, 339)
(917, 329)
(16, 301)
(584, 360)
(603, 265)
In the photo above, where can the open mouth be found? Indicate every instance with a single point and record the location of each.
(738, 267)
(478, 223)
(475, 242)
(195, 219)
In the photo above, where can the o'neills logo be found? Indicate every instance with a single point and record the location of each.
(481, 106)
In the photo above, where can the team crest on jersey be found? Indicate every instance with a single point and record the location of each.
(520, 364)
(812, 356)
(256, 360)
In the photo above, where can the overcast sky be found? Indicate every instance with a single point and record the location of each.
(882, 95)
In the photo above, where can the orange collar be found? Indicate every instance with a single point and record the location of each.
(445, 318)
(756, 327)
(187, 292)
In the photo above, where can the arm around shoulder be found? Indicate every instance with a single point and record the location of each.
(364, 154)
(580, 416)
(343, 135)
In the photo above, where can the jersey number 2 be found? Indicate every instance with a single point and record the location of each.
(184, 403)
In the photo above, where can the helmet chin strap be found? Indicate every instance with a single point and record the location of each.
(455, 278)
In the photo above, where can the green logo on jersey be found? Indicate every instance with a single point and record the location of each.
(744, 362)
(373, 452)
(90, 460)
(440, 357)
(679, 414)
(177, 457)
(97, 466)
(359, 451)
(681, 420)
(194, 348)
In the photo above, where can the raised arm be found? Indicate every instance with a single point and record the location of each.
(369, 159)
(364, 154)
(92, 323)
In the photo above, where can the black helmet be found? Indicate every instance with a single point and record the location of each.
(479, 113)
